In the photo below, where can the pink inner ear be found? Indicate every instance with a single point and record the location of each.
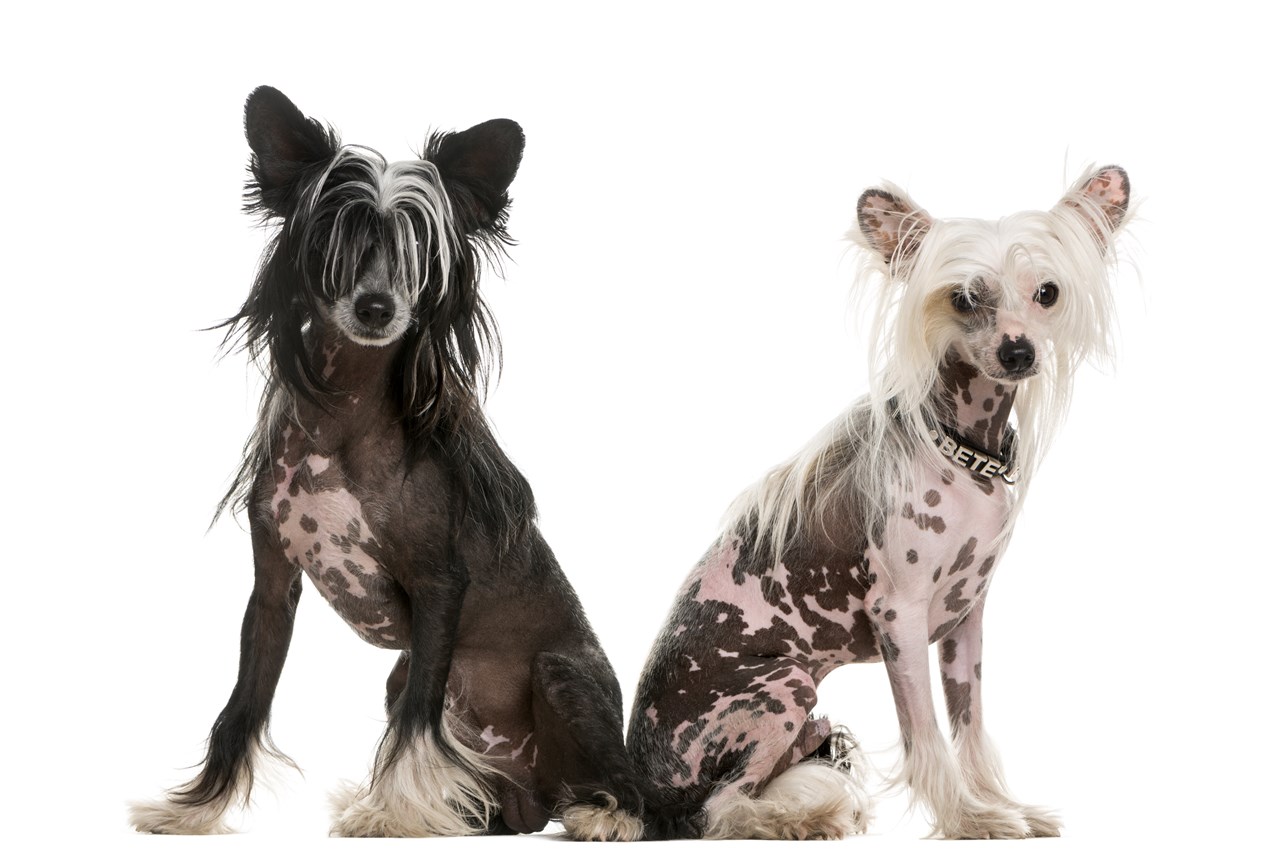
(881, 218)
(1110, 189)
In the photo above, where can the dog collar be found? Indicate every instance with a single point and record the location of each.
(960, 451)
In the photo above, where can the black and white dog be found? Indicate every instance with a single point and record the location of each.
(373, 471)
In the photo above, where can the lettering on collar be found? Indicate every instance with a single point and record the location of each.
(973, 459)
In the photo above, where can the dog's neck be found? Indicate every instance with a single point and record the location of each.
(358, 377)
(971, 404)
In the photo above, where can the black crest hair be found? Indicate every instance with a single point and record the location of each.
(438, 219)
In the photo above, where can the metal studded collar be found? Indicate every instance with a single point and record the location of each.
(960, 451)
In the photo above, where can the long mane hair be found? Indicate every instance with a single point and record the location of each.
(857, 466)
(438, 220)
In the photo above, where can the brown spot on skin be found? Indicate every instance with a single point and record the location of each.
(924, 521)
(959, 701)
(309, 524)
(932, 498)
(949, 651)
(282, 511)
(943, 629)
(954, 600)
(977, 671)
(888, 649)
(937, 574)
(948, 477)
(890, 614)
(987, 565)
(912, 557)
(964, 558)
(989, 405)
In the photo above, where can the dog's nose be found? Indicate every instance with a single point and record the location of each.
(375, 309)
(1016, 356)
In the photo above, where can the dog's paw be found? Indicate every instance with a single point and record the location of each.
(587, 822)
(354, 816)
(984, 822)
(166, 817)
(1044, 823)
(811, 801)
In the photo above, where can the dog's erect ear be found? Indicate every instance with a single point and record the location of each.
(285, 144)
(1102, 198)
(480, 162)
(890, 224)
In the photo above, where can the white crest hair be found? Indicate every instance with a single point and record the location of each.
(408, 193)
(859, 461)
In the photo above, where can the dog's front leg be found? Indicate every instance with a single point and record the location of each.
(240, 733)
(960, 659)
(425, 781)
(929, 766)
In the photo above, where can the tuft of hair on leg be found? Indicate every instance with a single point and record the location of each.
(169, 817)
(815, 800)
(933, 774)
(199, 807)
(605, 821)
(417, 792)
(984, 776)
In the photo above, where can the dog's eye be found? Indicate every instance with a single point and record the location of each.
(1046, 294)
(962, 300)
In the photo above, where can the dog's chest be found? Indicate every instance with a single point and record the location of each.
(941, 546)
(325, 529)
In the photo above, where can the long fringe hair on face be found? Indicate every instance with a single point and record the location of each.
(437, 220)
(859, 463)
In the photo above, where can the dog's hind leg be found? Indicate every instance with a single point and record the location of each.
(930, 768)
(426, 781)
(960, 658)
(765, 747)
(239, 735)
(577, 714)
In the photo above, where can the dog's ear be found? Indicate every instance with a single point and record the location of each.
(285, 145)
(1101, 197)
(890, 224)
(478, 165)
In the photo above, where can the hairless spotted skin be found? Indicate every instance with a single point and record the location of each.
(882, 538)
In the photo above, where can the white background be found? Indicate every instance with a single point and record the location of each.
(676, 320)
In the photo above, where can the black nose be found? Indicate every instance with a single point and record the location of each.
(375, 309)
(1017, 356)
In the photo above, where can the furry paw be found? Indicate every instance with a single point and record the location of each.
(587, 822)
(812, 801)
(377, 813)
(166, 817)
(975, 820)
(1044, 823)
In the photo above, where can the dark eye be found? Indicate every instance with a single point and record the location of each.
(1046, 294)
(962, 301)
